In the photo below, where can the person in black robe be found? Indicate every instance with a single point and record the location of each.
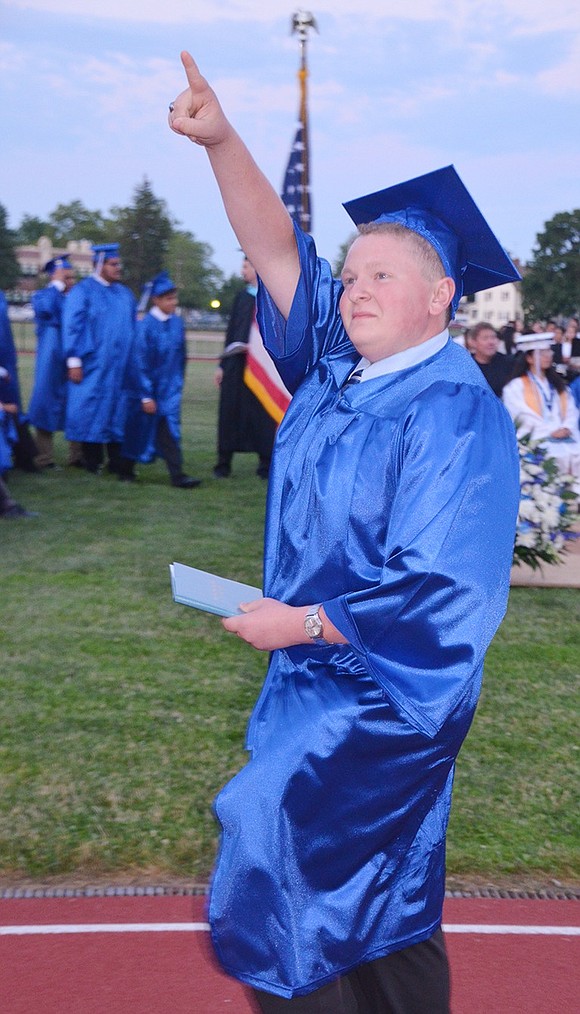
(244, 425)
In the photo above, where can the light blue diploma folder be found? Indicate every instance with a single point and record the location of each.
(209, 592)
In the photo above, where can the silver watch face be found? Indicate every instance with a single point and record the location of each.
(313, 625)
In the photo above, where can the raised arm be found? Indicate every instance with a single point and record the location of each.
(256, 213)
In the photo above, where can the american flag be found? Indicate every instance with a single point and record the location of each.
(296, 188)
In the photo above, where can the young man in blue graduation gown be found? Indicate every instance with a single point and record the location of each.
(46, 409)
(154, 421)
(390, 527)
(23, 447)
(9, 392)
(99, 320)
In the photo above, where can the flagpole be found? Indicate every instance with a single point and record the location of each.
(302, 21)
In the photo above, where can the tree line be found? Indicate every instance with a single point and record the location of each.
(151, 240)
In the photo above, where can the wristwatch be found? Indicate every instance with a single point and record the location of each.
(313, 625)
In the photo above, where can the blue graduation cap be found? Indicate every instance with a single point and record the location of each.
(57, 262)
(439, 208)
(161, 284)
(158, 286)
(105, 251)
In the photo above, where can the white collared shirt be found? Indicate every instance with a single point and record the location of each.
(403, 360)
(158, 314)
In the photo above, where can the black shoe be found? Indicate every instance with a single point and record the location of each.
(127, 477)
(16, 511)
(185, 482)
(221, 472)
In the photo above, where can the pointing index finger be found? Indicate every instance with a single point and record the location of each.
(190, 67)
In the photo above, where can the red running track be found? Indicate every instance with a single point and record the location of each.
(58, 957)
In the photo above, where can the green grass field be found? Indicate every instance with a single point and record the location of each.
(124, 713)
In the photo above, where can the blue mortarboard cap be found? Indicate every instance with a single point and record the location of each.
(57, 262)
(438, 207)
(161, 284)
(104, 251)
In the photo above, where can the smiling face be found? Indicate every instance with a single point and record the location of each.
(391, 301)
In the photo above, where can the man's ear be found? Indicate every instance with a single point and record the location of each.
(443, 293)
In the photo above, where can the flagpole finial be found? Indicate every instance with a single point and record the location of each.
(301, 22)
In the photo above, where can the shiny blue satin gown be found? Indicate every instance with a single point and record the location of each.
(394, 504)
(98, 327)
(46, 408)
(162, 358)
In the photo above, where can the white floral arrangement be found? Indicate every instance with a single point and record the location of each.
(548, 506)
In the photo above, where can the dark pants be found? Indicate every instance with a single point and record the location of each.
(224, 465)
(6, 501)
(412, 981)
(25, 450)
(170, 449)
(94, 455)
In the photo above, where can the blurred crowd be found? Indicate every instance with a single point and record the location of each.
(537, 376)
(109, 373)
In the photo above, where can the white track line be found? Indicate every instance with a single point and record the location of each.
(203, 927)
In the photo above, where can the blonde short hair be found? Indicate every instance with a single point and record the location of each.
(429, 260)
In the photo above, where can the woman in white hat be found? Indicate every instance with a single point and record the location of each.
(540, 404)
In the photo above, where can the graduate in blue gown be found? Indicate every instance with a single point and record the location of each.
(8, 407)
(9, 395)
(10, 385)
(390, 528)
(23, 446)
(154, 420)
(99, 320)
(46, 409)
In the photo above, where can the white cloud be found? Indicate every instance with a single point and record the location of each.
(188, 11)
(536, 17)
(12, 59)
(564, 78)
(529, 16)
(393, 91)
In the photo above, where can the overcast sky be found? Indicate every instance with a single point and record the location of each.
(394, 91)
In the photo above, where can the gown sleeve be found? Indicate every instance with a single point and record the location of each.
(143, 341)
(423, 628)
(46, 304)
(76, 326)
(314, 326)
